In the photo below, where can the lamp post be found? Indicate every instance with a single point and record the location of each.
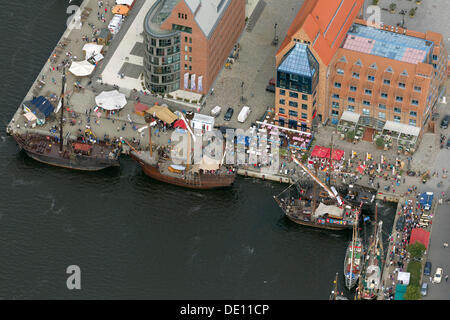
(242, 87)
(275, 38)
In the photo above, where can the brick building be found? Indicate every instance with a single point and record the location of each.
(188, 41)
(380, 75)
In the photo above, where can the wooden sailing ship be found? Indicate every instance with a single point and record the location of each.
(371, 278)
(331, 214)
(354, 257)
(159, 166)
(77, 154)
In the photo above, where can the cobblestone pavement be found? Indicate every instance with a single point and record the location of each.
(255, 66)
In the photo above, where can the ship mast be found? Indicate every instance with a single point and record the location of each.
(62, 111)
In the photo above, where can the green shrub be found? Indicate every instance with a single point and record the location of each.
(416, 250)
(412, 293)
(415, 269)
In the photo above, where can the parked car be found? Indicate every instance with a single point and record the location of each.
(242, 116)
(445, 121)
(438, 275)
(216, 111)
(427, 269)
(270, 88)
(228, 114)
(424, 289)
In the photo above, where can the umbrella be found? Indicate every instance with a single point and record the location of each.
(179, 124)
(81, 68)
(111, 100)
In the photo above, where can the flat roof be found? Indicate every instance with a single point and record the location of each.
(387, 44)
(157, 14)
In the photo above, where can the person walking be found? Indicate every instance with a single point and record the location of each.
(446, 278)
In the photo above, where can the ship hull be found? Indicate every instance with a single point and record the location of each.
(80, 163)
(318, 225)
(205, 182)
(351, 278)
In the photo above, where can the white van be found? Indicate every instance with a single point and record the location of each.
(244, 114)
(115, 24)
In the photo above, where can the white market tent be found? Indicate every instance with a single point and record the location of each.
(111, 100)
(403, 276)
(92, 49)
(350, 116)
(126, 2)
(402, 128)
(81, 68)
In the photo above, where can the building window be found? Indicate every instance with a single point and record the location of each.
(397, 119)
(387, 82)
(371, 78)
(355, 75)
(340, 71)
(293, 104)
(415, 102)
(335, 104)
(293, 94)
(413, 114)
(335, 96)
(305, 97)
(399, 99)
(352, 88)
(351, 99)
(397, 110)
(366, 112)
(293, 113)
(304, 106)
(401, 85)
(384, 95)
(282, 101)
(282, 92)
(351, 108)
(304, 115)
(366, 103)
(335, 113)
(381, 115)
(337, 85)
(382, 106)
(412, 122)
(435, 57)
(368, 92)
(281, 110)
(417, 89)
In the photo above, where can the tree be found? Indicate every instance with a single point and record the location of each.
(350, 135)
(379, 142)
(412, 293)
(392, 7)
(416, 250)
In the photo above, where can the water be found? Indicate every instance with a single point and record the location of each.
(131, 236)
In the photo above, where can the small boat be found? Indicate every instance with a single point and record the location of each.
(335, 292)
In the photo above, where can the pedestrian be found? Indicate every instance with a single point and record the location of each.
(445, 244)
(446, 278)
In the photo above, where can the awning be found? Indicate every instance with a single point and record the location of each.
(92, 49)
(82, 147)
(403, 276)
(180, 124)
(111, 100)
(126, 2)
(401, 128)
(420, 235)
(337, 154)
(81, 68)
(350, 116)
(334, 211)
(321, 152)
(120, 9)
(162, 113)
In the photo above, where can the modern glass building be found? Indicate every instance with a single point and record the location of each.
(162, 50)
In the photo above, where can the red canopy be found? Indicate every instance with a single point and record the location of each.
(420, 235)
(179, 124)
(338, 154)
(321, 152)
(82, 147)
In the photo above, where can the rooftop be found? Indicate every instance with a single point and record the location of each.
(300, 61)
(387, 44)
(157, 14)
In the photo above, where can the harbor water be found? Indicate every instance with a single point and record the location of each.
(134, 237)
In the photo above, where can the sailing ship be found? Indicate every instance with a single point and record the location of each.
(73, 154)
(354, 257)
(331, 213)
(371, 283)
(160, 166)
(335, 292)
